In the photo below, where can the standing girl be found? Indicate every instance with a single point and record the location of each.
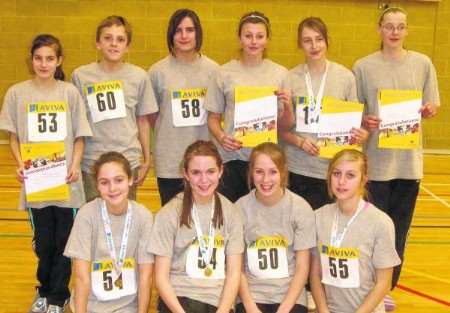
(108, 244)
(316, 78)
(118, 97)
(278, 233)
(197, 240)
(51, 220)
(179, 82)
(351, 268)
(252, 69)
(394, 174)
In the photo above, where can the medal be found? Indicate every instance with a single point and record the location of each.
(118, 282)
(208, 271)
(205, 246)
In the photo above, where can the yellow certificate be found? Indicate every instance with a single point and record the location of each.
(255, 115)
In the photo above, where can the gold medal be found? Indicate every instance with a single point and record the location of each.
(118, 282)
(208, 271)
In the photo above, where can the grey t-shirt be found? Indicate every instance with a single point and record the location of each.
(340, 83)
(220, 96)
(167, 76)
(118, 134)
(170, 240)
(87, 242)
(291, 218)
(373, 73)
(372, 233)
(14, 119)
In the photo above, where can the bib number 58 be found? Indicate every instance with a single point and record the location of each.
(186, 111)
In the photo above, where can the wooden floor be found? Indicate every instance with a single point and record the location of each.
(424, 285)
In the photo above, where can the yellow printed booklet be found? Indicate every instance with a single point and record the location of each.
(400, 119)
(255, 115)
(337, 119)
(45, 169)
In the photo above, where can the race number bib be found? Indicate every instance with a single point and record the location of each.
(106, 100)
(267, 257)
(306, 120)
(340, 266)
(187, 107)
(196, 267)
(47, 121)
(106, 285)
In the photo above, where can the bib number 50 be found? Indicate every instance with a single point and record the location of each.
(268, 257)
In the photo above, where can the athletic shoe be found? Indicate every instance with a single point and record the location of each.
(52, 308)
(39, 304)
(389, 304)
(310, 301)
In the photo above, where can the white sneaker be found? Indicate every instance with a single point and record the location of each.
(55, 309)
(310, 301)
(39, 304)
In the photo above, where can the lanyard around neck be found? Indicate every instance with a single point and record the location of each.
(118, 263)
(315, 103)
(205, 250)
(336, 239)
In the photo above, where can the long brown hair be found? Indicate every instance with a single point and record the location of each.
(200, 148)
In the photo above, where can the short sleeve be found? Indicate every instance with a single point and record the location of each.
(154, 80)
(351, 93)
(80, 123)
(147, 102)
(80, 243)
(143, 256)
(235, 244)
(358, 71)
(215, 96)
(384, 253)
(163, 232)
(8, 115)
(76, 82)
(304, 226)
(430, 88)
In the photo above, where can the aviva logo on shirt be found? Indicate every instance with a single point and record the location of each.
(104, 87)
(108, 265)
(189, 93)
(340, 253)
(269, 242)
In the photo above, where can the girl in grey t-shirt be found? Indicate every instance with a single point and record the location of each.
(279, 230)
(197, 240)
(108, 244)
(351, 269)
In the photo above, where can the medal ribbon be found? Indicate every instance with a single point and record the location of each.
(315, 103)
(206, 252)
(109, 237)
(336, 239)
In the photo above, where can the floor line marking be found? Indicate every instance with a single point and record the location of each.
(436, 197)
(423, 295)
(418, 273)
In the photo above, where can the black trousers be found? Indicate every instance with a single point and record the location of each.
(234, 180)
(169, 188)
(189, 306)
(397, 198)
(313, 190)
(272, 308)
(51, 227)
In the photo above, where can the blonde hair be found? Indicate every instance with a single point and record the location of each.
(350, 155)
(276, 154)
